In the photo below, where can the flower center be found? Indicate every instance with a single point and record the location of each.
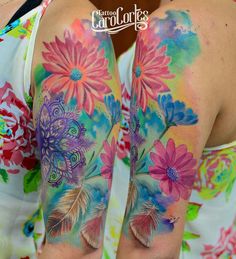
(75, 74)
(138, 71)
(172, 174)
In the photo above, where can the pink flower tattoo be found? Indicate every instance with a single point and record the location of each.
(108, 160)
(175, 168)
(149, 70)
(78, 70)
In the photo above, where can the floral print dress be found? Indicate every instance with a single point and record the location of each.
(210, 230)
(21, 221)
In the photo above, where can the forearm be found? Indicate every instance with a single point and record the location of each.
(65, 251)
(160, 250)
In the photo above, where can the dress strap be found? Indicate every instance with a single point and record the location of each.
(221, 147)
(45, 4)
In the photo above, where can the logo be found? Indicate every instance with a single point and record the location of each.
(115, 21)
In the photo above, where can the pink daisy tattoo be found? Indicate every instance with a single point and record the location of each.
(149, 70)
(175, 168)
(108, 160)
(79, 71)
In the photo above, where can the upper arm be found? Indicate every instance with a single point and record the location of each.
(76, 111)
(171, 120)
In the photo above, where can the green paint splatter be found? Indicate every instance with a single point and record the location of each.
(177, 33)
(39, 75)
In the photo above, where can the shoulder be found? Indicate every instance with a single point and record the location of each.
(195, 37)
(62, 13)
(66, 31)
(67, 21)
(206, 18)
(62, 16)
(202, 26)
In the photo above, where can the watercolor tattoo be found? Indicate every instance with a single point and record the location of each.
(162, 170)
(77, 110)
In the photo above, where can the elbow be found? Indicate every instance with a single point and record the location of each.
(148, 254)
(68, 251)
(167, 255)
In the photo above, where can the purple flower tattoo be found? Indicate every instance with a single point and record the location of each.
(62, 142)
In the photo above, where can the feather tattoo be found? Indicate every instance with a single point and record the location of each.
(73, 203)
(143, 224)
(91, 231)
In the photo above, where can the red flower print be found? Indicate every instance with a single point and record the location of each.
(226, 245)
(77, 69)
(17, 135)
(174, 167)
(108, 159)
(149, 70)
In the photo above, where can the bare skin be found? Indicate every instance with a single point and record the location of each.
(211, 81)
(8, 10)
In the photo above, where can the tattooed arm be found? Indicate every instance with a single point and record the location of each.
(171, 120)
(77, 112)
